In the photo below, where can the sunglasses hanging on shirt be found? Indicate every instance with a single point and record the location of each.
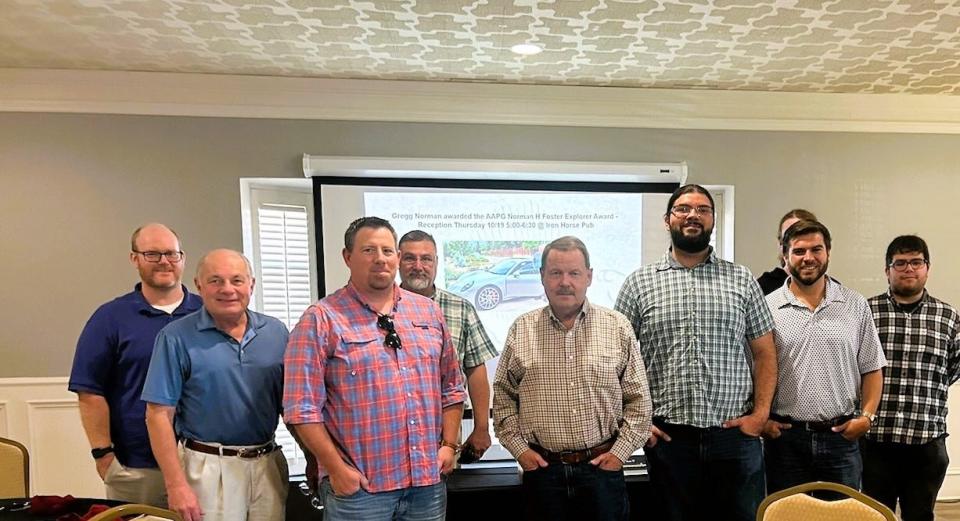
(392, 339)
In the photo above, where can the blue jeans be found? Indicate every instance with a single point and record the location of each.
(799, 456)
(575, 491)
(409, 504)
(706, 473)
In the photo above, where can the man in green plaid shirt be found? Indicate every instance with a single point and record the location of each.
(418, 269)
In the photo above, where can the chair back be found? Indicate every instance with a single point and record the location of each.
(145, 511)
(14, 469)
(793, 504)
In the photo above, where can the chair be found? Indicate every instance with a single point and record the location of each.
(793, 504)
(145, 511)
(14, 469)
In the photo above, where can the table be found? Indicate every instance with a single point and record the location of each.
(80, 506)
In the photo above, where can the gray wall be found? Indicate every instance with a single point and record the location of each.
(74, 187)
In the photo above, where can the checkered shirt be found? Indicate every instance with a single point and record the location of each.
(923, 356)
(383, 411)
(821, 354)
(571, 389)
(469, 338)
(693, 326)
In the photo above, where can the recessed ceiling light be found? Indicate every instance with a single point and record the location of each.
(526, 49)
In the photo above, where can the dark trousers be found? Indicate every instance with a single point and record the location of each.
(708, 473)
(575, 491)
(799, 456)
(911, 473)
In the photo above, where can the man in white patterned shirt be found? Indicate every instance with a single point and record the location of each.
(905, 454)
(571, 401)
(418, 270)
(830, 362)
(706, 337)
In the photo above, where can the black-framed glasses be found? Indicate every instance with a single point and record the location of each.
(392, 339)
(154, 256)
(901, 264)
(682, 210)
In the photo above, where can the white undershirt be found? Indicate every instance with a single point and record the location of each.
(169, 308)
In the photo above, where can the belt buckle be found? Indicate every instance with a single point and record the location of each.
(244, 452)
(569, 456)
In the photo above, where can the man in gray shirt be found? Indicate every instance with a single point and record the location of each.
(829, 379)
(706, 338)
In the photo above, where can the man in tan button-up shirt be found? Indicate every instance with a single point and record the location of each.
(571, 401)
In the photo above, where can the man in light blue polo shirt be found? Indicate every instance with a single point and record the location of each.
(217, 376)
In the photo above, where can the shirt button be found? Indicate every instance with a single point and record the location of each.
(354, 373)
(413, 422)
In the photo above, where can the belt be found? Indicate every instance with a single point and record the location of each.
(244, 452)
(813, 426)
(678, 430)
(572, 456)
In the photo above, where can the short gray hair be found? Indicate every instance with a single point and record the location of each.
(203, 260)
(565, 243)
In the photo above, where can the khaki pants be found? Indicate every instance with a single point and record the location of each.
(231, 488)
(135, 485)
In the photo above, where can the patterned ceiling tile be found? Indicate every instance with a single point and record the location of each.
(867, 46)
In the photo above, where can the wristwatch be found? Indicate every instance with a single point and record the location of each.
(101, 452)
(870, 416)
(456, 448)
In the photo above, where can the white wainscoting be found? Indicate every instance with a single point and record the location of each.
(43, 415)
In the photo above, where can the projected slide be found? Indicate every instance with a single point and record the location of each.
(489, 244)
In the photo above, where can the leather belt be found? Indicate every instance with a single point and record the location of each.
(243, 452)
(813, 426)
(572, 457)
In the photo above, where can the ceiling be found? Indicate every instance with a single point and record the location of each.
(842, 46)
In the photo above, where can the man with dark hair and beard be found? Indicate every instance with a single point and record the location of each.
(694, 315)
(830, 361)
(905, 454)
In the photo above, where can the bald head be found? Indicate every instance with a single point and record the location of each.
(222, 254)
(152, 247)
(151, 229)
(225, 282)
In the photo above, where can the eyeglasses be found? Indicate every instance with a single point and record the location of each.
(682, 210)
(154, 256)
(901, 265)
(385, 323)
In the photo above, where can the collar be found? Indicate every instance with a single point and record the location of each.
(144, 307)
(833, 294)
(205, 321)
(667, 262)
(925, 298)
(355, 295)
(584, 311)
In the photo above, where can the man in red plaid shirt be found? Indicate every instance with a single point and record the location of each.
(373, 389)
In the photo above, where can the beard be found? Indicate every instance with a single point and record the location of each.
(906, 292)
(417, 282)
(795, 273)
(690, 243)
(160, 279)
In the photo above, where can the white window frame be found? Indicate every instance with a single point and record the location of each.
(255, 192)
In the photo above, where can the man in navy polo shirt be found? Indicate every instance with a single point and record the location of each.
(111, 362)
(215, 383)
